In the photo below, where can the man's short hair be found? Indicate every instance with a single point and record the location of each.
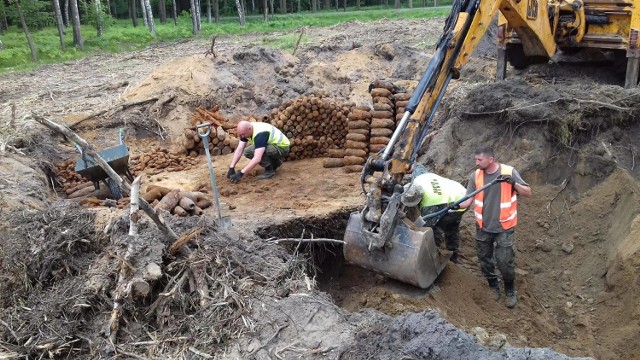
(486, 150)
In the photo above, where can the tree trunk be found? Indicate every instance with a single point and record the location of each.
(271, 7)
(240, 12)
(66, 13)
(162, 11)
(109, 8)
(358, 4)
(397, 4)
(299, 6)
(283, 6)
(344, 5)
(174, 12)
(253, 6)
(194, 22)
(198, 15)
(216, 10)
(4, 25)
(152, 26)
(143, 9)
(97, 8)
(32, 47)
(410, 4)
(58, 13)
(313, 5)
(327, 4)
(133, 12)
(337, 5)
(265, 4)
(208, 11)
(75, 15)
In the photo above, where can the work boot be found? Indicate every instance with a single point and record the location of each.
(276, 164)
(512, 298)
(454, 257)
(496, 292)
(269, 172)
(511, 294)
(494, 285)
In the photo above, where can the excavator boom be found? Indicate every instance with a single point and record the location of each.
(381, 237)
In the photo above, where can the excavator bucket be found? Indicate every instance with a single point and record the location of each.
(412, 256)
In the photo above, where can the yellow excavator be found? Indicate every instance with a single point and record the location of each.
(384, 237)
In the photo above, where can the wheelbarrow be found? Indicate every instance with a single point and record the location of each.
(116, 156)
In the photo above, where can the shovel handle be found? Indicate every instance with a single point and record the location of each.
(206, 133)
(463, 199)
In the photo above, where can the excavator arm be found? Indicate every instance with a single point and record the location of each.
(381, 237)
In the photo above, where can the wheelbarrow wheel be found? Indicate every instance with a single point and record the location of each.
(115, 190)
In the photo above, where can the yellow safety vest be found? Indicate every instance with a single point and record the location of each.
(438, 190)
(276, 137)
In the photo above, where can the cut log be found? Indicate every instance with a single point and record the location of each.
(187, 204)
(356, 137)
(332, 163)
(169, 201)
(353, 160)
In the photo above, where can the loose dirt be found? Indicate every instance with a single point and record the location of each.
(242, 295)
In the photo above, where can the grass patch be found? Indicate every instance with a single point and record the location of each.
(121, 36)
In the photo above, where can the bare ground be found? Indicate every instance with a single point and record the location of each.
(577, 251)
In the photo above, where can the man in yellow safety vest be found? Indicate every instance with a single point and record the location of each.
(496, 214)
(268, 147)
(434, 193)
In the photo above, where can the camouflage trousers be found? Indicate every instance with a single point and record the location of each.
(271, 155)
(446, 228)
(497, 249)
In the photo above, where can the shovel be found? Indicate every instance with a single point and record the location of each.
(421, 221)
(223, 221)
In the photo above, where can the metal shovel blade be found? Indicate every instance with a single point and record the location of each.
(412, 258)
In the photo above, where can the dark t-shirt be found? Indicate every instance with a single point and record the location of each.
(491, 206)
(261, 140)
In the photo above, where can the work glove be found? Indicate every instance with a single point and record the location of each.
(235, 178)
(453, 206)
(508, 179)
(230, 173)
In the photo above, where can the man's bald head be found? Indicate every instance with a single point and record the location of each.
(244, 129)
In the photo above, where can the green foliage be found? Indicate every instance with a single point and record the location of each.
(122, 36)
(284, 42)
(37, 14)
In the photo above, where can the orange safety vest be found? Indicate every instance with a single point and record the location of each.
(508, 200)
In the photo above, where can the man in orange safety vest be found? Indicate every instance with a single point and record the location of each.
(496, 214)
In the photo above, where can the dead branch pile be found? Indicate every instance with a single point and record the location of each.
(159, 160)
(179, 203)
(312, 124)
(219, 140)
(196, 301)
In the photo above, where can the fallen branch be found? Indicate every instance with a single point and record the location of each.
(184, 239)
(298, 42)
(90, 151)
(210, 51)
(121, 289)
(277, 241)
(200, 353)
(122, 106)
(516, 108)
